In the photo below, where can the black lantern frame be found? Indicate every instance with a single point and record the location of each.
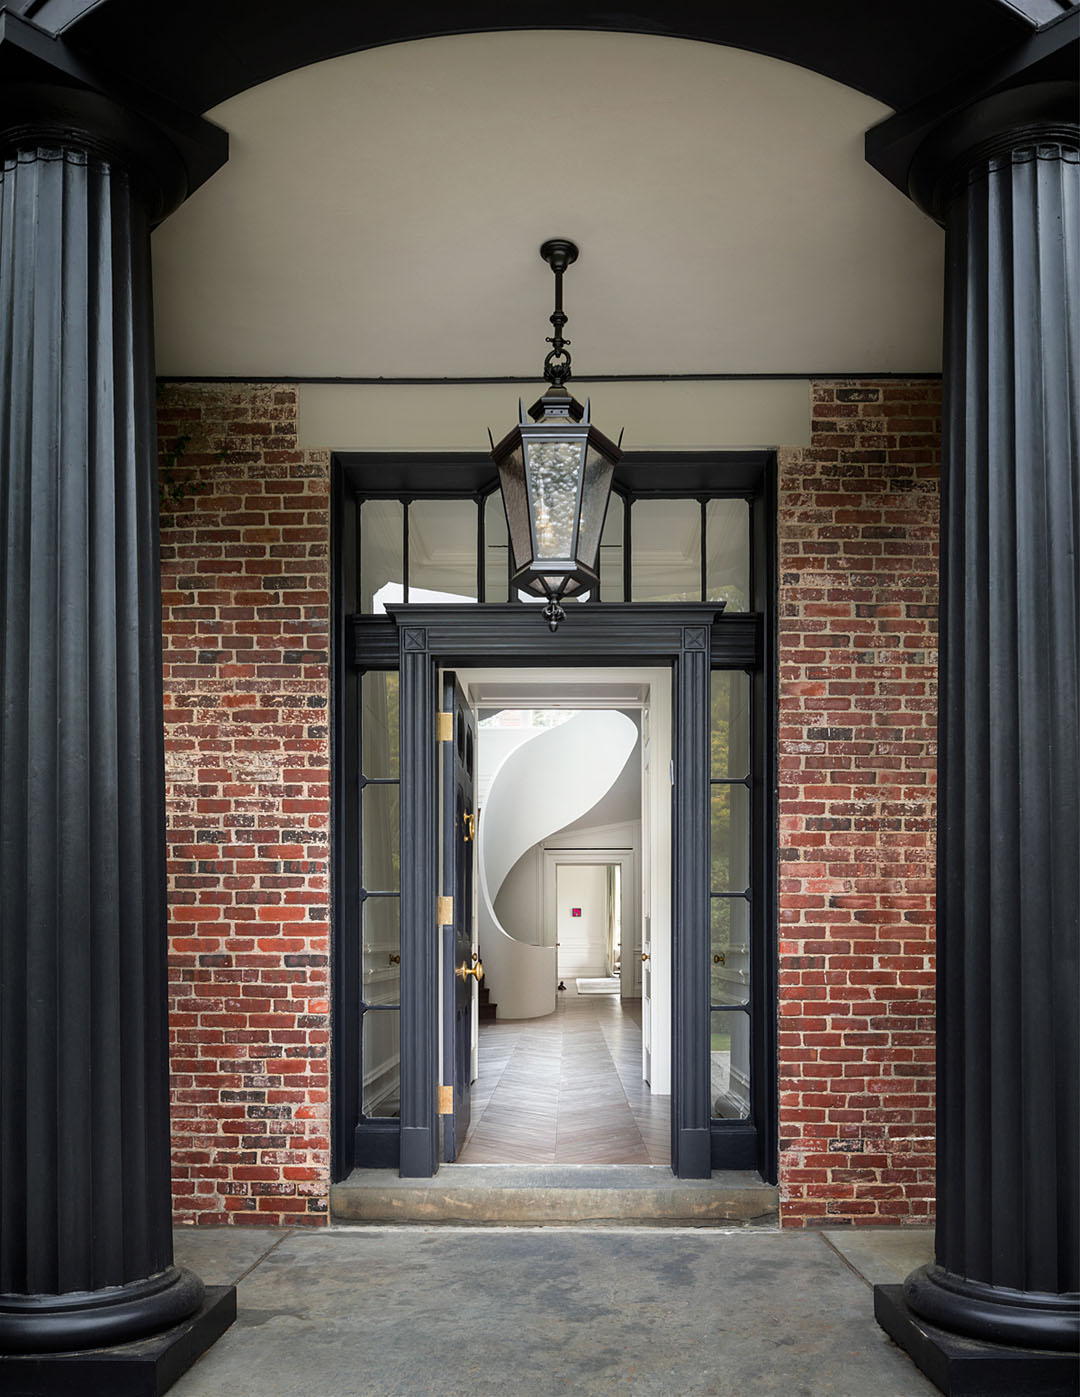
(555, 470)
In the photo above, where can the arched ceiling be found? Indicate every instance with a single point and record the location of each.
(200, 52)
(381, 213)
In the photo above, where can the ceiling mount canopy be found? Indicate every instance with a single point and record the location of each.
(555, 471)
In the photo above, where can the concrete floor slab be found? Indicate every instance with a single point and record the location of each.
(222, 1255)
(350, 1311)
(884, 1255)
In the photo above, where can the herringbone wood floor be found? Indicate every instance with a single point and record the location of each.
(567, 1089)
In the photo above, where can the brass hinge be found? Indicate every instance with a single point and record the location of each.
(444, 727)
(444, 911)
(445, 1097)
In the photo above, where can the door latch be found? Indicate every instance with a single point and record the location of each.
(468, 822)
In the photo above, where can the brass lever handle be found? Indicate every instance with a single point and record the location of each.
(476, 971)
(469, 832)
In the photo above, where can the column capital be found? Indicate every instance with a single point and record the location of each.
(1031, 122)
(53, 98)
(38, 119)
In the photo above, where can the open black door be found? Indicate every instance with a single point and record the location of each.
(461, 970)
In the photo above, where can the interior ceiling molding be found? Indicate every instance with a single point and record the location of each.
(381, 216)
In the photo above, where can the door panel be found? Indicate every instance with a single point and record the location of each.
(459, 964)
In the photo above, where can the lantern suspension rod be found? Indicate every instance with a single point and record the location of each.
(558, 253)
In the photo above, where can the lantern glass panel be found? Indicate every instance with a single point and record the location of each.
(594, 496)
(554, 477)
(512, 480)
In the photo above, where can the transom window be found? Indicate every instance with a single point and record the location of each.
(657, 545)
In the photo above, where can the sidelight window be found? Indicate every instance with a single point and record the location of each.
(731, 894)
(380, 894)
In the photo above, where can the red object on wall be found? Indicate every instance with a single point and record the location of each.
(575, 911)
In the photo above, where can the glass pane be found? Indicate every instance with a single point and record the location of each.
(729, 950)
(594, 495)
(666, 542)
(442, 550)
(381, 835)
(512, 483)
(381, 1063)
(611, 552)
(729, 838)
(729, 1065)
(381, 922)
(729, 722)
(554, 479)
(496, 549)
(382, 563)
(379, 733)
(727, 553)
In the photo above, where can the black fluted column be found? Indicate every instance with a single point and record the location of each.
(1006, 182)
(85, 1235)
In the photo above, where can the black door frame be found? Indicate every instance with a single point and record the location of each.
(507, 635)
(668, 634)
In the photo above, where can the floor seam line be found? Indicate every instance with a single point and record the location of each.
(259, 1260)
(849, 1264)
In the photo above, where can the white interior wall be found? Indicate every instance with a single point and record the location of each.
(582, 940)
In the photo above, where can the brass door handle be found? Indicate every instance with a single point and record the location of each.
(469, 830)
(476, 971)
(394, 960)
(644, 955)
(719, 960)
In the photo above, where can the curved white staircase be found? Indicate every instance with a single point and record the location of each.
(544, 784)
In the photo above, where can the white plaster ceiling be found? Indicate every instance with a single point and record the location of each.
(381, 215)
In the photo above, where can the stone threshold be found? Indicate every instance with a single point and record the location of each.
(530, 1195)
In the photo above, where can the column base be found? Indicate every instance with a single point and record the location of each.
(144, 1368)
(965, 1367)
(83, 1319)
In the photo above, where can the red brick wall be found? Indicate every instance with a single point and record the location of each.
(857, 543)
(246, 625)
(246, 598)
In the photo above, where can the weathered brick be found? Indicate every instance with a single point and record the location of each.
(842, 712)
(235, 667)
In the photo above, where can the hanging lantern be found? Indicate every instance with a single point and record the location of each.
(555, 470)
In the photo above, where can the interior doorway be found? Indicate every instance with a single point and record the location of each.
(566, 879)
(592, 892)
